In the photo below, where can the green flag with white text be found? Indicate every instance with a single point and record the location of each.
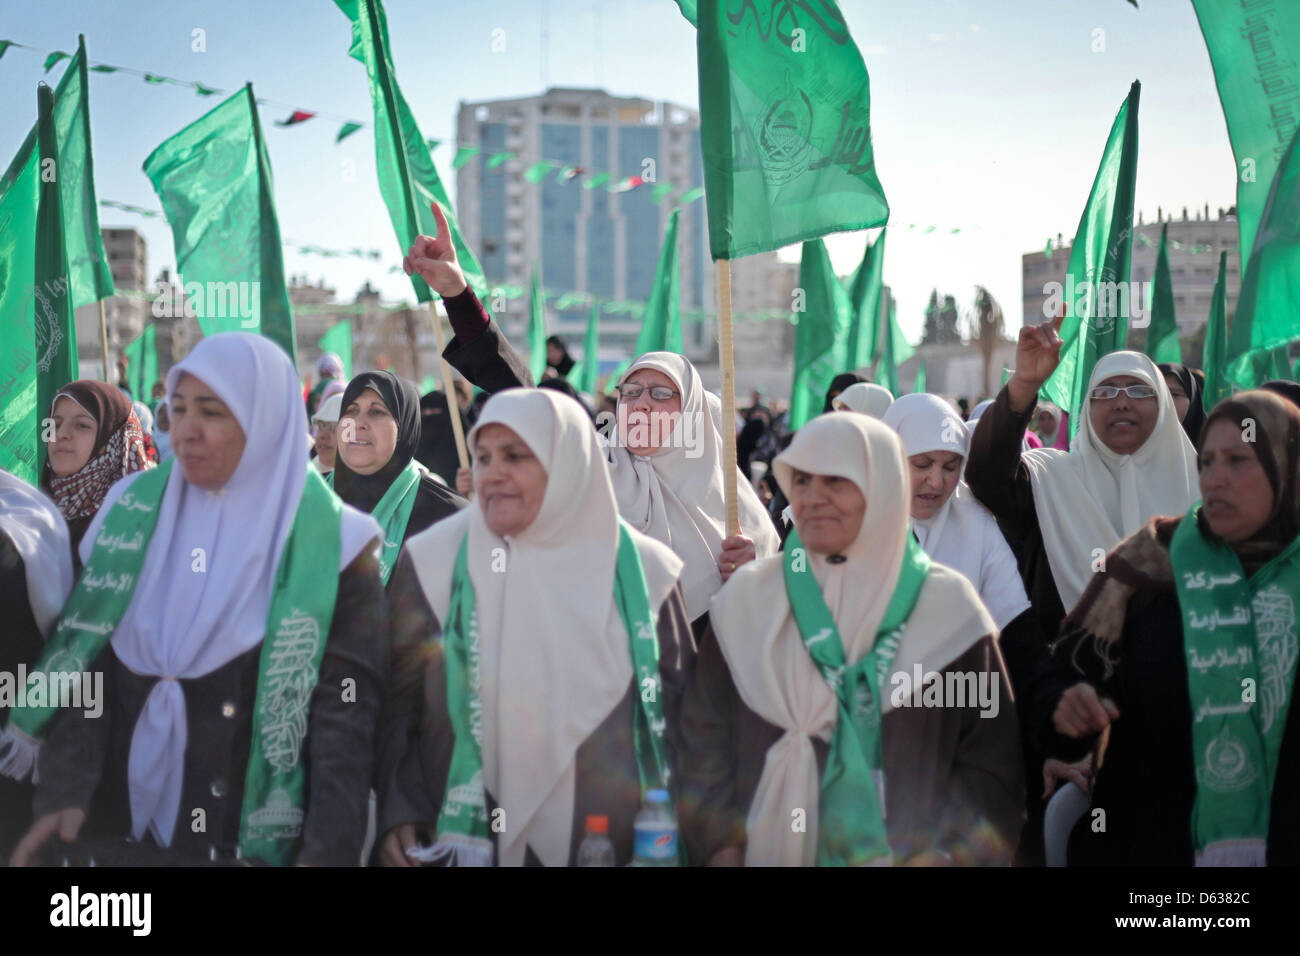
(536, 330)
(408, 179)
(585, 375)
(1217, 386)
(19, 435)
(1162, 334)
(785, 126)
(338, 339)
(213, 179)
(1252, 46)
(1267, 315)
(91, 278)
(1097, 278)
(864, 294)
(821, 335)
(661, 328)
(142, 363)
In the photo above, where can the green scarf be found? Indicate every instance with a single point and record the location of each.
(1235, 629)
(393, 512)
(851, 826)
(297, 625)
(462, 828)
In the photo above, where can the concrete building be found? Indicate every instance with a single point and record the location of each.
(124, 312)
(585, 240)
(1193, 264)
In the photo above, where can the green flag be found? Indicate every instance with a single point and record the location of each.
(20, 444)
(91, 279)
(213, 179)
(585, 375)
(142, 363)
(894, 351)
(920, 378)
(1096, 286)
(1252, 48)
(536, 331)
(688, 10)
(1162, 334)
(408, 180)
(785, 126)
(661, 328)
(864, 294)
(821, 335)
(1217, 386)
(338, 339)
(1266, 318)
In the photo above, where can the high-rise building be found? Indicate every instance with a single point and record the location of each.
(591, 240)
(1194, 247)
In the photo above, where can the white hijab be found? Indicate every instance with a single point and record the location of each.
(676, 494)
(1090, 498)
(963, 534)
(183, 622)
(865, 397)
(771, 667)
(40, 536)
(555, 655)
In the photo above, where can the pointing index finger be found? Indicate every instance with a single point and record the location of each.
(441, 219)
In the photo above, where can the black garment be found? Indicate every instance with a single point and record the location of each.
(83, 762)
(1195, 420)
(415, 738)
(437, 448)
(20, 645)
(838, 384)
(566, 362)
(487, 359)
(564, 387)
(1147, 782)
(1288, 390)
(434, 501)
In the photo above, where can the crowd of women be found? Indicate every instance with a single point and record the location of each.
(344, 660)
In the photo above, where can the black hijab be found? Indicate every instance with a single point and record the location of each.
(1288, 390)
(1195, 419)
(437, 445)
(838, 384)
(434, 500)
(566, 360)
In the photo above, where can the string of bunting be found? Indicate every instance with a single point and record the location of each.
(1144, 240)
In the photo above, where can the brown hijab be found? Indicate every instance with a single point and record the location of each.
(119, 450)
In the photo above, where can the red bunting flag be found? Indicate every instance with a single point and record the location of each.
(298, 116)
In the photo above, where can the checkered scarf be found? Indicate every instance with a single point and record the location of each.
(79, 495)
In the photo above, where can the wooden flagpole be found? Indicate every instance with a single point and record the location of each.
(727, 358)
(453, 406)
(103, 342)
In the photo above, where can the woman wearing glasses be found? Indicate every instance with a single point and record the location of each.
(665, 460)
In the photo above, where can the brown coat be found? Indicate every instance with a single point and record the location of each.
(953, 779)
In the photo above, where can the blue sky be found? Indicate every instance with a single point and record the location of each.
(988, 115)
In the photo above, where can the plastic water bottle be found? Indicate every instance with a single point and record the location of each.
(655, 832)
(595, 849)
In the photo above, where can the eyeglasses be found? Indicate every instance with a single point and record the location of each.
(1107, 392)
(660, 393)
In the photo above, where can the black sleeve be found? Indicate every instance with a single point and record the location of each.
(404, 790)
(72, 755)
(994, 470)
(1074, 658)
(676, 661)
(710, 818)
(488, 360)
(344, 711)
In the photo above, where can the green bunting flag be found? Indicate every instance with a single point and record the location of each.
(1252, 49)
(661, 329)
(408, 180)
(785, 126)
(821, 335)
(1217, 386)
(1097, 278)
(142, 363)
(1162, 334)
(91, 278)
(338, 339)
(213, 179)
(921, 383)
(346, 130)
(864, 294)
(585, 375)
(1266, 317)
(536, 330)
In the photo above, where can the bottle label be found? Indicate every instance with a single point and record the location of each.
(655, 843)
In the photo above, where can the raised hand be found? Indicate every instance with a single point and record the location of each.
(1038, 352)
(434, 258)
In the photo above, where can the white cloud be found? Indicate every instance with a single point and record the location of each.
(936, 38)
(875, 49)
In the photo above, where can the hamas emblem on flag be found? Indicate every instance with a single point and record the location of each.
(278, 815)
(285, 701)
(1275, 634)
(49, 336)
(783, 135)
(1226, 767)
